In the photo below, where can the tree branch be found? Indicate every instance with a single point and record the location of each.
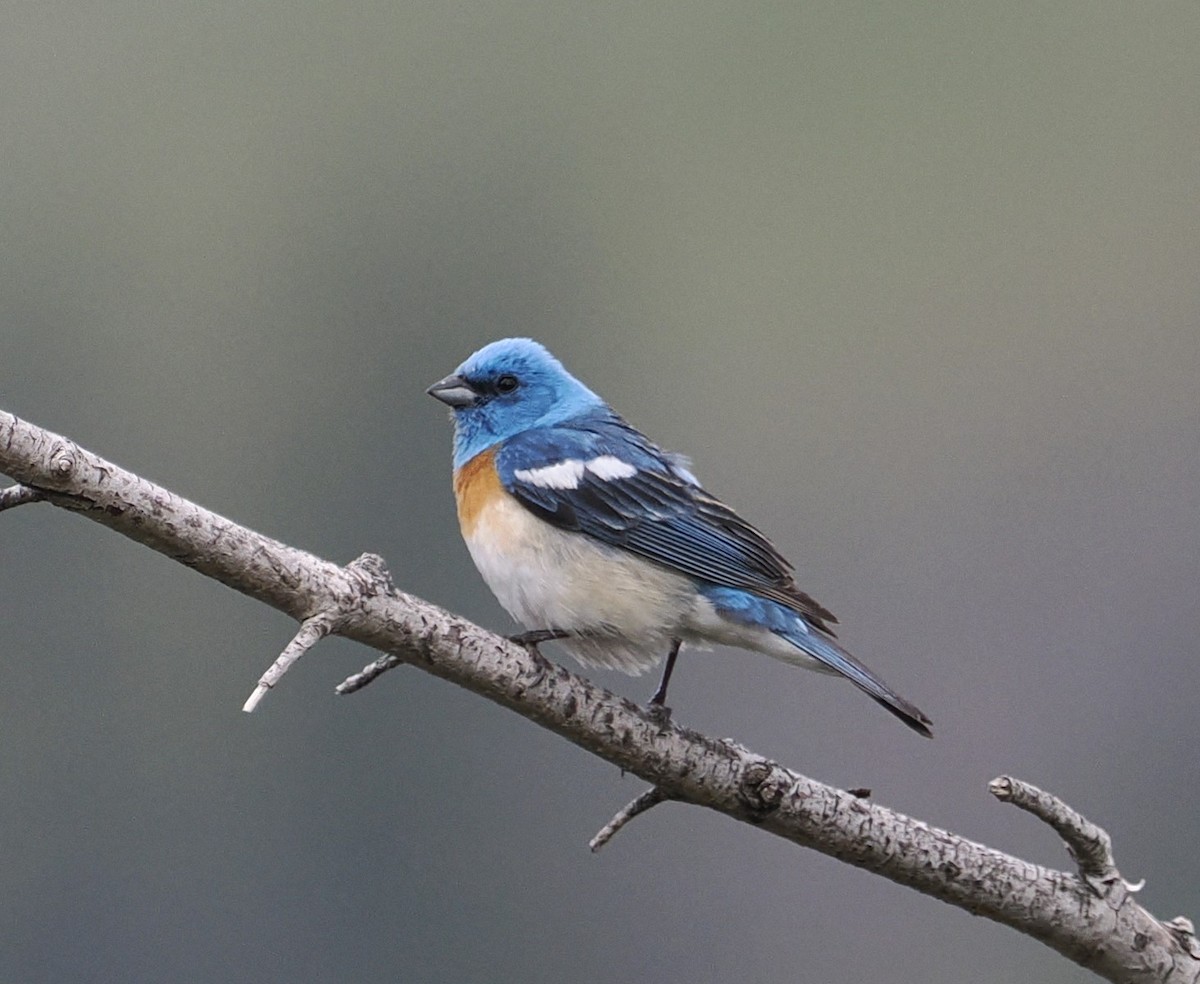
(1119, 940)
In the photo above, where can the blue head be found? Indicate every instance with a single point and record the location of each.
(505, 388)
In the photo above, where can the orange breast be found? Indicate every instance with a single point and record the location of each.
(475, 485)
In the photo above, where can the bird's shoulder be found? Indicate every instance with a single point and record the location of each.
(596, 434)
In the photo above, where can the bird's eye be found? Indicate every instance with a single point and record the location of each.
(507, 383)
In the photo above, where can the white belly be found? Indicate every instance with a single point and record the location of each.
(626, 609)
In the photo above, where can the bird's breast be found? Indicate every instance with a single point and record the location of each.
(476, 488)
(551, 578)
(513, 550)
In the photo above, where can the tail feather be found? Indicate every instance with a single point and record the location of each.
(822, 648)
(773, 620)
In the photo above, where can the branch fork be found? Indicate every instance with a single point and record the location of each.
(1088, 844)
(369, 577)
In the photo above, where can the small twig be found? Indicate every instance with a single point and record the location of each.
(312, 631)
(1087, 843)
(18, 495)
(369, 673)
(649, 799)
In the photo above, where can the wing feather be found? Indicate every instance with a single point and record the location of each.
(657, 511)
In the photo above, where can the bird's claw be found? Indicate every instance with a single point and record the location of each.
(660, 714)
(531, 639)
(534, 637)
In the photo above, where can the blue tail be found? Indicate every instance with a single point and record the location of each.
(746, 608)
(823, 648)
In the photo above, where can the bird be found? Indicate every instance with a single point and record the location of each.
(589, 533)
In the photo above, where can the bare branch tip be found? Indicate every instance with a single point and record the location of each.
(255, 698)
(1002, 788)
(312, 630)
(649, 799)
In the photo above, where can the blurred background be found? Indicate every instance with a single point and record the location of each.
(917, 286)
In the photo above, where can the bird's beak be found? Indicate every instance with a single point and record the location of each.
(454, 391)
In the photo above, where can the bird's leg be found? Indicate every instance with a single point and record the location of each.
(530, 640)
(660, 695)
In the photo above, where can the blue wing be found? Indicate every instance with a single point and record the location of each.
(600, 477)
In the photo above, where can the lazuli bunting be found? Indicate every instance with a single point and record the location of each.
(588, 532)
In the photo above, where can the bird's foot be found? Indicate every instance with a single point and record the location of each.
(659, 713)
(532, 639)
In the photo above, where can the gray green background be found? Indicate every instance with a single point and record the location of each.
(917, 285)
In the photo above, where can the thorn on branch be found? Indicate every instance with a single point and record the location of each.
(18, 495)
(649, 799)
(312, 630)
(1088, 844)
